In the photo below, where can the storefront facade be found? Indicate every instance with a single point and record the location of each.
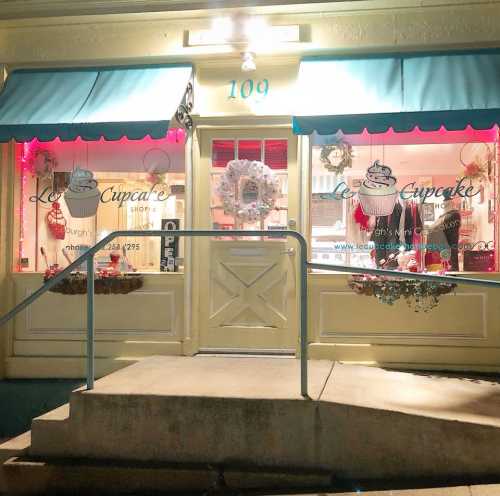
(241, 295)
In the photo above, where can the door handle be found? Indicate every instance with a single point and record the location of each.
(288, 251)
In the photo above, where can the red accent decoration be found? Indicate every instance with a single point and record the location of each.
(222, 152)
(360, 218)
(276, 154)
(432, 258)
(56, 221)
(250, 150)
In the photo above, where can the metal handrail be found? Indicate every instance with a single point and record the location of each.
(88, 257)
(406, 275)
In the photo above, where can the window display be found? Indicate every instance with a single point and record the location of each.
(418, 201)
(73, 194)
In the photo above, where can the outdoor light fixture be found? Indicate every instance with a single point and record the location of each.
(248, 62)
(249, 31)
(222, 28)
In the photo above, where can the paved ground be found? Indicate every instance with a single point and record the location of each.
(483, 490)
(386, 424)
(445, 396)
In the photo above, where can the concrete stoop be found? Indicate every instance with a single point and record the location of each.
(111, 477)
(360, 423)
(17, 446)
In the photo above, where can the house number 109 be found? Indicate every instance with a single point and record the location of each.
(247, 87)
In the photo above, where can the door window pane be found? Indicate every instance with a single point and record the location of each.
(250, 149)
(276, 153)
(246, 193)
(222, 152)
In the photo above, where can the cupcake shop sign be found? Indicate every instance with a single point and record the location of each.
(83, 195)
(378, 193)
(458, 190)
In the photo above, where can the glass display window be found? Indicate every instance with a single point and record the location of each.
(418, 201)
(73, 194)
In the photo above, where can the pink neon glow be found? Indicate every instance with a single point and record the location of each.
(25, 155)
(174, 135)
(26, 149)
(417, 137)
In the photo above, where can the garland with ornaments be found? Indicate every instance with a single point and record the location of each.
(104, 283)
(422, 296)
(267, 186)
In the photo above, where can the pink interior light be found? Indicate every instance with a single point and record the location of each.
(417, 137)
(26, 152)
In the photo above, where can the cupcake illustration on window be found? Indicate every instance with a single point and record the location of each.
(82, 195)
(377, 195)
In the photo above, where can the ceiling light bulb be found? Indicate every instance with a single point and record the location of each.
(222, 28)
(248, 62)
(255, 28)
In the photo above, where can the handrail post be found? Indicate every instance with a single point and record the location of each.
(90, 322)
(303, 319)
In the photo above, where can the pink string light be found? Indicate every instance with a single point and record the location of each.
(27, 147)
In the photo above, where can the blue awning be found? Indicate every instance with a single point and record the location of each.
(130, 102)
(399, 92)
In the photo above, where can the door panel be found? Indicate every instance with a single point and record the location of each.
(247, 291)
(246, 287)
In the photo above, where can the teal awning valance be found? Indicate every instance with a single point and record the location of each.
(398, 92)
(112, 103)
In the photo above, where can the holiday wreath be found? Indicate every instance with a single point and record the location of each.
(479, 168)
(341, 152)
(421, 295)
(41, 162)
(259, 178)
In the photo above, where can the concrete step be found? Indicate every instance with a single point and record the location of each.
(475, 490)
(51, 428)
(26, 476)
(17, 446)
(361, 423)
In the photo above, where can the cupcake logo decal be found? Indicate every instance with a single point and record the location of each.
(378, 176)
(82, 181)
(378, 192)
(82, 195)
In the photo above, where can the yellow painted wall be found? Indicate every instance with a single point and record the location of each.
(462, 332)
(3, 257)
(369, 26)
(4, 242)
(146, 322)
(219, 89)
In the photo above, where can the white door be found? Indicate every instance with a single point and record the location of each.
(246, 288)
